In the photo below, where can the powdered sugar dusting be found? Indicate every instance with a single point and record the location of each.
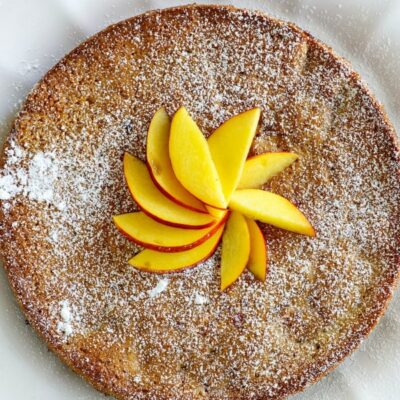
(36, 181)
(180, 336)
(8, 188)
(65, 324)
(161, 286)
(200, 299)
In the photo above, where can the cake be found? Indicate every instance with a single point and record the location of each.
(137, 335)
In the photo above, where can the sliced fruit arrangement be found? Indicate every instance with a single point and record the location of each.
(160, 166)
(192, 161)
(235, 249)
(150, 199)
(272, 209)
(194, 191)
(257, 262)
(260, 169)
(151, 234)
(229, 146)
(159, 262)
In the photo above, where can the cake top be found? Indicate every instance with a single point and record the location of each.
(138, 335)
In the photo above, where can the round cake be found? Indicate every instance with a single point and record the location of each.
(138, 335)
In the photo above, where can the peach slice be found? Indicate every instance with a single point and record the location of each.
(160, 164)
(257, 263)
(235, 249)
(272, 209)
(149, 233)
(154, 203)
(217, 212)
(192, 162)
(259, 169)
(229, 146)
(159, 262)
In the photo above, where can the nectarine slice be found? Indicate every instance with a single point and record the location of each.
(257, 263)
(217, 212)
(229, 146)
(259, 169)
(192, 162)
(272, 209)
(151, 234)
(154, 203)
(235, 249)
(159, 262)
(160, 164)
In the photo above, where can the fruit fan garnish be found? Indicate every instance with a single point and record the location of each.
(195, 192)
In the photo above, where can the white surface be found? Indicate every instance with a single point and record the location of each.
(35, 34)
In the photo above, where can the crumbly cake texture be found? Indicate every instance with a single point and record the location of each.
(143, 336)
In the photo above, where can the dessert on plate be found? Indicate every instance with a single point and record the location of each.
(120, 173)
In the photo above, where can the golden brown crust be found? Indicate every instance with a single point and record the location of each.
(69, 106)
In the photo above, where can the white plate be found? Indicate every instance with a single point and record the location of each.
(35, 34)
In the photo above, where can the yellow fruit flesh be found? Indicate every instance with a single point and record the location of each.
(229, 146)
(158, 262)
(259, 169)
(272, 209)
(153, 202)
(149, 233)
(257, 263)
(191, 160)
(235, 249)
(216, 212)
(160, 164)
